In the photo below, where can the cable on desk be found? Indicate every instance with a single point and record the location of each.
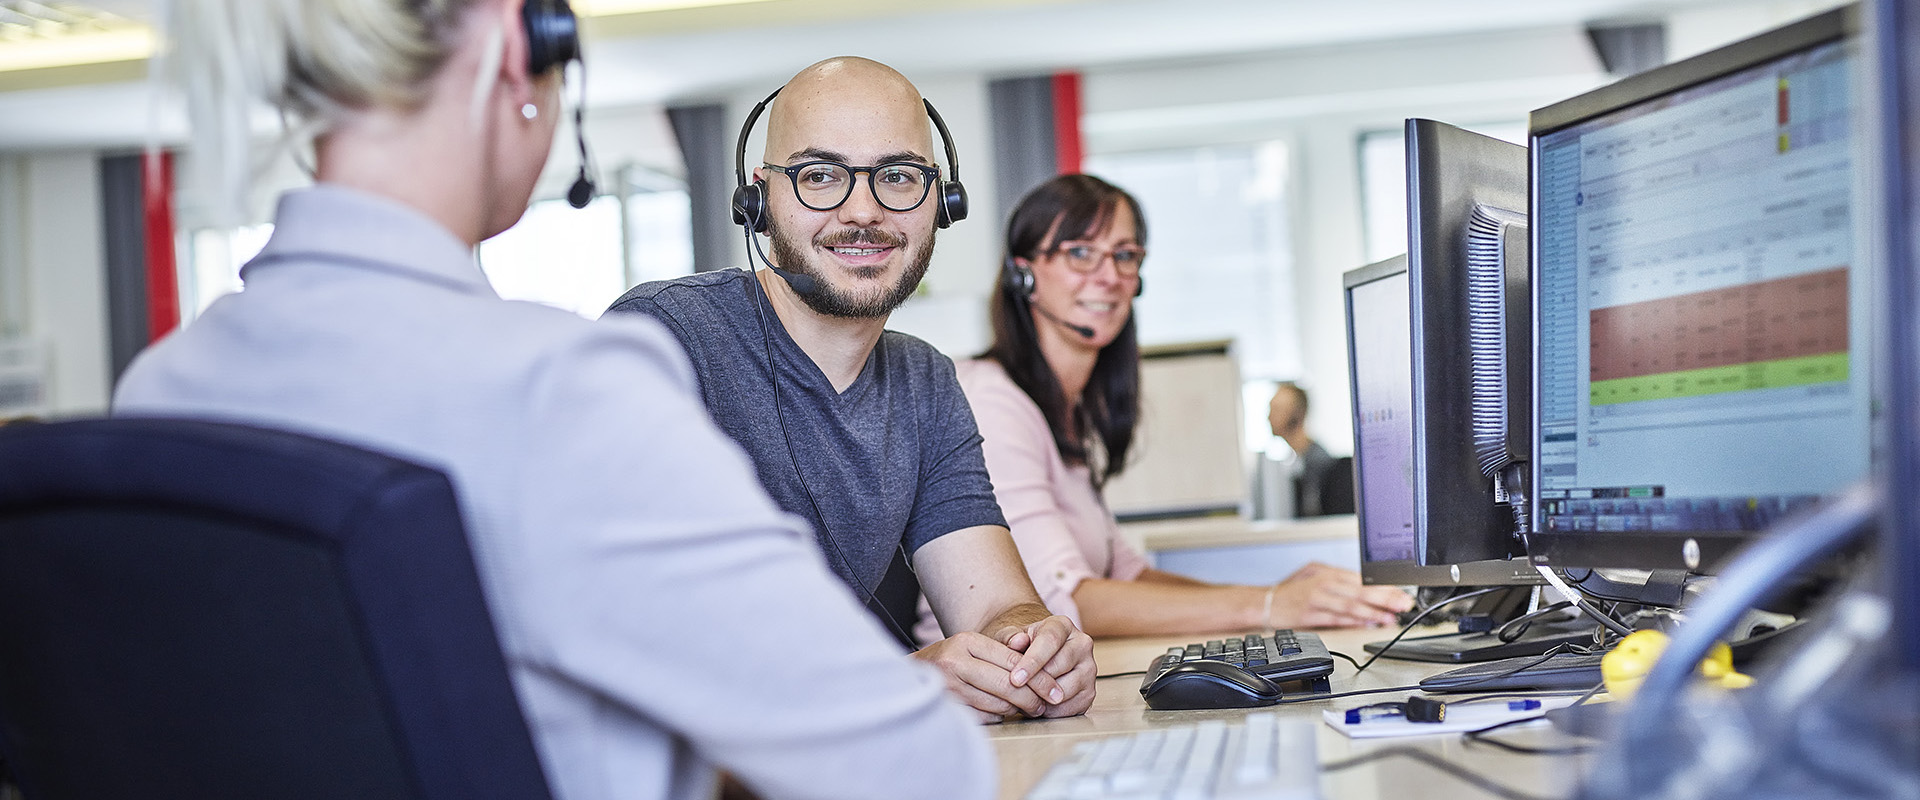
(1120, 674)
(1612, 624)
(1478, 781)
(1338, 654)
(1315, 698)
(1479, 736)
(1415, 622)
(1517, 627)
(1588, 695)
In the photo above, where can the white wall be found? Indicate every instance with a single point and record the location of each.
(53, 271)
(13, 254)
(1696, 31)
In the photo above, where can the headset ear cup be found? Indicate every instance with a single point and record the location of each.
(1139, 285)
(553, 34)
(750, 206)
(953, 203)
(1017, 279)
(538, 59)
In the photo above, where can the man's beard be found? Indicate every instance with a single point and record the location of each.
(834, 302)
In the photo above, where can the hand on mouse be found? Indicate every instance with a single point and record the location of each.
(1324, 596)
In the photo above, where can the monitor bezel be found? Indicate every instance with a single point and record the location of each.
(1704, 550)
(1514, 571)
(1822, 28)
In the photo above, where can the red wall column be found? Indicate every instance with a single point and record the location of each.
(1066, 122)
(163, 286)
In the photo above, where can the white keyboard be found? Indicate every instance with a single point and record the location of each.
(1262, 756)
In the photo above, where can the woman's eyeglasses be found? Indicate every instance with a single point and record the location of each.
(1086, 258)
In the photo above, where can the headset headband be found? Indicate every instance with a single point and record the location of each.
(749, 201)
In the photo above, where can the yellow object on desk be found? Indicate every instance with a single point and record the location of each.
(1627, 665)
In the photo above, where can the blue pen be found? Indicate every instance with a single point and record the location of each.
(1355, 716)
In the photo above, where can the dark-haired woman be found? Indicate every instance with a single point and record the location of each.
(1057, 397)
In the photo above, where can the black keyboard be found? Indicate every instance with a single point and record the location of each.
(1559, 671)
(1284, 656)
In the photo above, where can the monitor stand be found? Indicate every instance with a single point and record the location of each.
(1466, 648)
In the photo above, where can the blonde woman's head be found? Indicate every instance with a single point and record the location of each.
(315, 63)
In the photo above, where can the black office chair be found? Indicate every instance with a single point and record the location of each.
(1325, 491)
(200, 610)
(1336, 487)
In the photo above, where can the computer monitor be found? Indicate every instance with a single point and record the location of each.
(1701, 368)
(1438, 354)
(1395, 518)
(1396, 512)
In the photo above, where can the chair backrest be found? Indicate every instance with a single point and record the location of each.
(194, 609)
(1336, 487)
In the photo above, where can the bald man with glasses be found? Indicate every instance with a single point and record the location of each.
(861, 431)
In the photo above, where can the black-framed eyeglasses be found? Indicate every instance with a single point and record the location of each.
(1083, 257)
(824, 185)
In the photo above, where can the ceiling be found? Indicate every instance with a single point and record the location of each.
(663, 56)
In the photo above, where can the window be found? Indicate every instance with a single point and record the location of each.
(1220, 258)
(584, 259)
(580, 260)
(561, 256)
(1383, 184)
(1220, 263)
(213, 259)
(659, 234)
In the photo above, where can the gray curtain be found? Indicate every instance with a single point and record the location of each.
(1021, 113)
(706, 142)
(124, 226)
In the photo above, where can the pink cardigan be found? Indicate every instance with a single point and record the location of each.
(1062, 527)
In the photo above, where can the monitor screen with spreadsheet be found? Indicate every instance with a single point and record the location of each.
(1701, 367)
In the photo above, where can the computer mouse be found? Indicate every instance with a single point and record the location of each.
(1208, 684)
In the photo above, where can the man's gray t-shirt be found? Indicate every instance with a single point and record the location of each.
(892, 462)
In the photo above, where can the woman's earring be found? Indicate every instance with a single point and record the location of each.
(529, 111)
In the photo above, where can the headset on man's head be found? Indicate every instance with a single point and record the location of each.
(750, 199)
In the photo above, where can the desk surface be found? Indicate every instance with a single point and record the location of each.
(1027, 748)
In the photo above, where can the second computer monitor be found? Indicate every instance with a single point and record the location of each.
(1469, 340)
(1702, 361)
(1395, 517)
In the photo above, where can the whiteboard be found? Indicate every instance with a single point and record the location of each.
(1186, 457)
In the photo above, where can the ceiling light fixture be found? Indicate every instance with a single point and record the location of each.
(37, 35)
(43, 35)
(607, 8)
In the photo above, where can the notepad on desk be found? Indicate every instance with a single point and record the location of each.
(1460, 718)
